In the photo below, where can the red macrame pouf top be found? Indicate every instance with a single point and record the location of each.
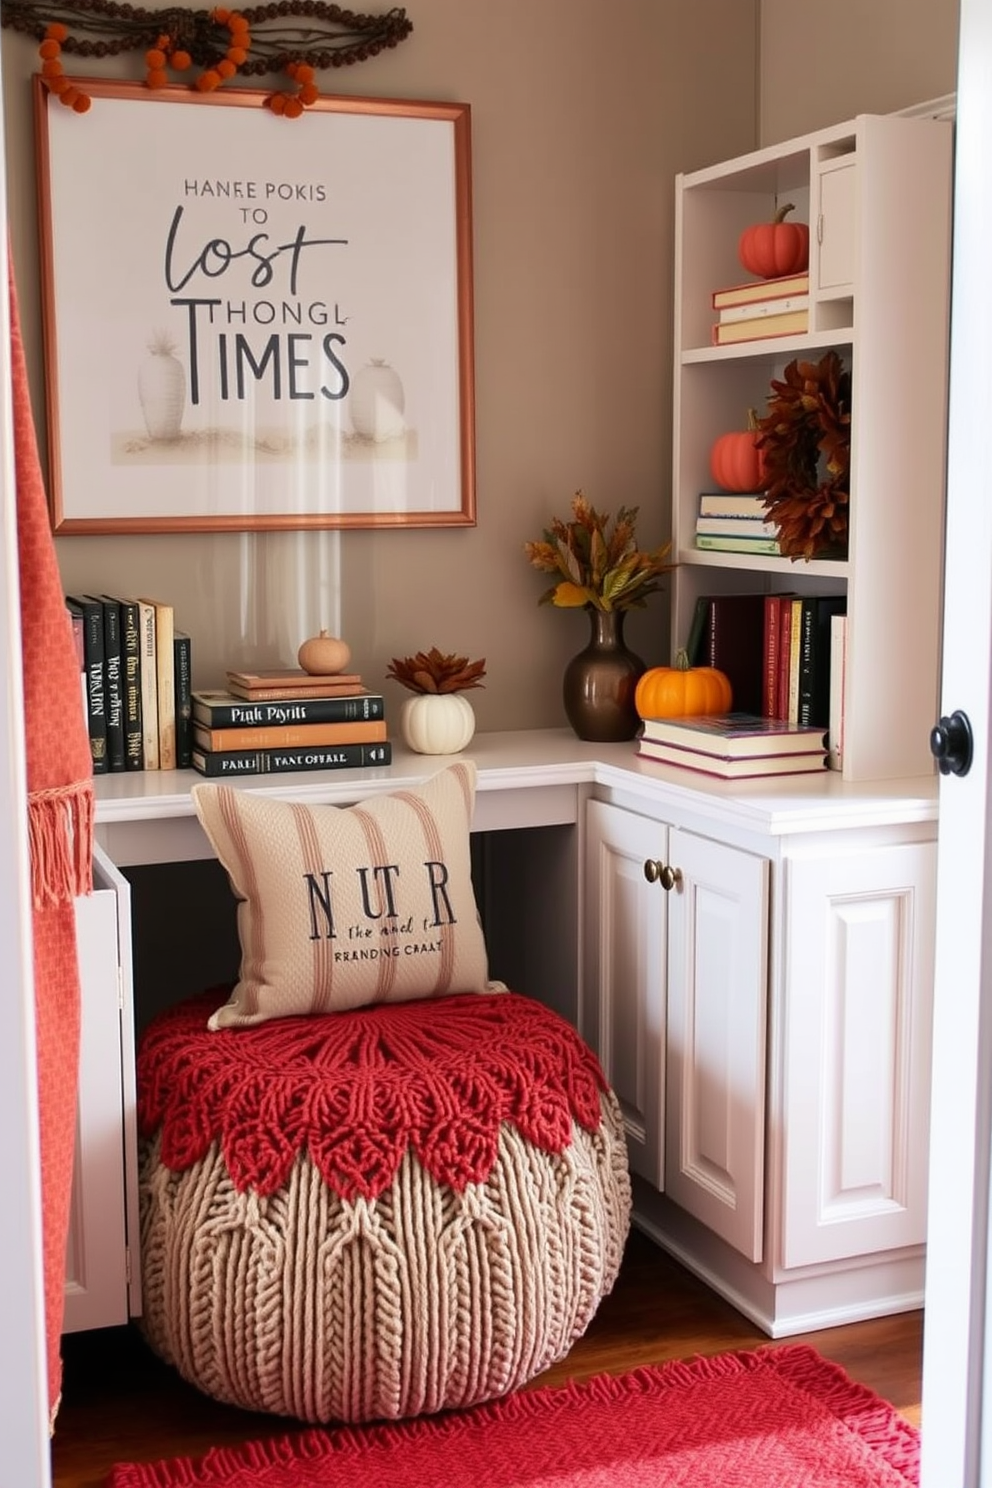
(356, 1089)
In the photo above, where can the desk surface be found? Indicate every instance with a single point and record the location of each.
(527, 778)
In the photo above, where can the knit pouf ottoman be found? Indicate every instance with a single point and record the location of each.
(378, 1213)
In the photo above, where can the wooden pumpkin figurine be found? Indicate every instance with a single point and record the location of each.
(682, 690)
(771, 249)
(323, 655)
(736, 463)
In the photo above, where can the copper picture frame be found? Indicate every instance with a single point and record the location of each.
(255, 323)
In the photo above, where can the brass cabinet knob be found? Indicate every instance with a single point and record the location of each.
(655, 872)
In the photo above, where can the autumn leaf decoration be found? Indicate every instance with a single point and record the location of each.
(805, 438)
(434, 671)
(594, 565)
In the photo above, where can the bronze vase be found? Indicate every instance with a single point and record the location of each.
(598, 685)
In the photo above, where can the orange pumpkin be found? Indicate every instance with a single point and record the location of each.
(771, 249)
(736, 464)
(675, 692)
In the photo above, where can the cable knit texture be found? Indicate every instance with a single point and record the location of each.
(377, 1214)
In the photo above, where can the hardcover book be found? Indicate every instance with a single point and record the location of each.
(790, 323)
(289, 736)
(149, 684)
(112, 679)
(284, 761)
(732, 504)
(758, 309)
(182, 648)
(134, 749)
(736, 735)
(96, 696)
(814, 656)
(766, 547)
(222, 710)
(761, 289)
(165, 681)
(730, 636)
(287, 680)
(753, 767)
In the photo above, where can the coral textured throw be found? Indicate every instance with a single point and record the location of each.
(60, 824)
(778, 1417)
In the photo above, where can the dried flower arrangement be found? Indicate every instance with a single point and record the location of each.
(435, 672)
(805, 443)
(595, 566)
(221, 43)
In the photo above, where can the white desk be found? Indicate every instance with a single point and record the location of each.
(778, 1152)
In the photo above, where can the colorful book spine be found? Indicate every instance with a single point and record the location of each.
(182, 646)
(134, 751)
(76, 623)
(113, 681)
(165, 682)
(224, 710)
(149, 685)
(795, 645)
(96, 696)
(732, 504)
(814, 666)
(756, 546)
(769, 696)
(292, 736)
(284, 761)
(838, 680)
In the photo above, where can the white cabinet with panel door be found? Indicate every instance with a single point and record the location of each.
(674, 1004)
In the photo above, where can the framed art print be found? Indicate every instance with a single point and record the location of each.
(253, 322)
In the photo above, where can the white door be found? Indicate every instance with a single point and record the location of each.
(957, 1379)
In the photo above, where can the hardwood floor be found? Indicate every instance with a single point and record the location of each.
(121, 1404)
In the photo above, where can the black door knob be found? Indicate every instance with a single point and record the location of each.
(951, 744)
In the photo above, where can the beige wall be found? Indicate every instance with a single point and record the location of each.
(823, 64)
(578, 130)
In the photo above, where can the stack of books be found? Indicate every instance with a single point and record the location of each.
(732, 523)
(760, 309)
(277, 722)
(734, 746)
(136, 675)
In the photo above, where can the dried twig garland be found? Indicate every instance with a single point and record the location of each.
(296, 37)
(805, 441)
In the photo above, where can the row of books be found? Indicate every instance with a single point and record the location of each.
(760, 309)
(136, 676)
(783, 654)
(728, 522)
(276, 722)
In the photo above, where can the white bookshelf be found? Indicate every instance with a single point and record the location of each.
(877, 195)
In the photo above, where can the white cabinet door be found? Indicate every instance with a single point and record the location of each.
(623, 984)
(97, 1284)
(855, 1113)
(717, 1000)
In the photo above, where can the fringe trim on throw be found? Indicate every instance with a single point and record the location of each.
(60, 834)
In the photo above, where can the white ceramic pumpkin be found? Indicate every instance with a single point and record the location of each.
(437, 722)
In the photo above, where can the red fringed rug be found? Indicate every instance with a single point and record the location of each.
(777, 1417)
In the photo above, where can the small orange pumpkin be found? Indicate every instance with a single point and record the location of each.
(681, 690)
(771, 249)
(736, 464)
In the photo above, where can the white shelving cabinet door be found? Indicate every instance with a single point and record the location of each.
(717, 1000)
(860, 963)
(624, 974)
(96, 1293)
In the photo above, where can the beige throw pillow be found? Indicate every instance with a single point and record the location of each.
(345, 906)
